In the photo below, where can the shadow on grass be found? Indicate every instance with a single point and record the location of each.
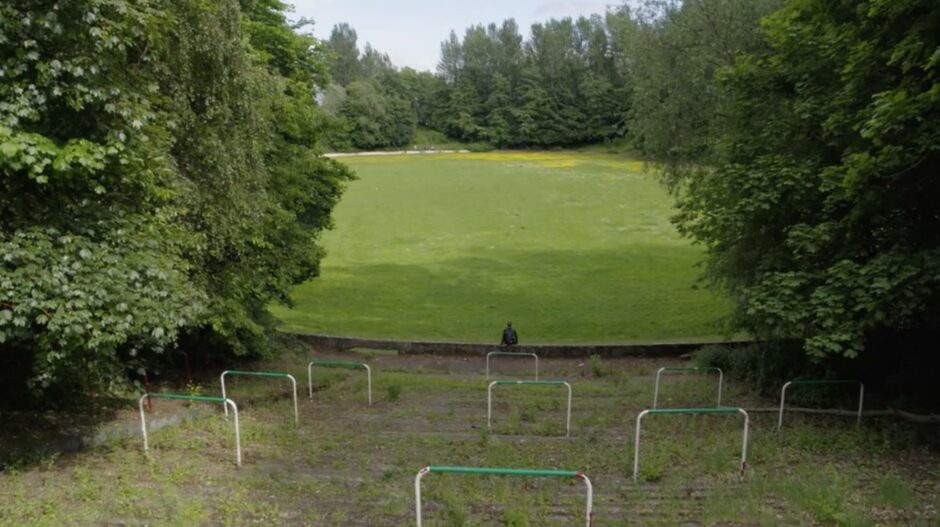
(28, 438)
(633, 293)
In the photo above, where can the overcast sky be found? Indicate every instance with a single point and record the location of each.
(411, 31)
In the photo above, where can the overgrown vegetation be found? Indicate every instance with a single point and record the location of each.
(815, 191)
(351, 464)
(157, 181)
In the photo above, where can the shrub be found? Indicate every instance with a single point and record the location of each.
(394, 391)
(597, 366)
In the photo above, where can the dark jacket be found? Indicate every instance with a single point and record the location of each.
(510, 338)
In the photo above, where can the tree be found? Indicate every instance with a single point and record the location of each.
(374, 63)
(819, 211)
(93, 270)
(343, 44)
(451, 58)
(376, 119)
(423, 90)
(560, 87)
(675, 49)
(159, 181)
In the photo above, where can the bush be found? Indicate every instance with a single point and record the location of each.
(597, 366)
(766, 366)
(394, 391)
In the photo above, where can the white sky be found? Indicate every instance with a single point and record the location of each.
(411, 31)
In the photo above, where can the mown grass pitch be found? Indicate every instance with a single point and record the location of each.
(570, 247)
(352, 464)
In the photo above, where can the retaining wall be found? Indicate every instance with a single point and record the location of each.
(412, 347)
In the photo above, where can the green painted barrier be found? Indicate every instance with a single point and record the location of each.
(783, 395)
(258, 373)
(714, 410)
(203, 398)
(529, 382)
(662, 411)
(199, 398)
(823, 381)
(338, 364)
(504, 471)
(589, 513)
(659, 373)
(269, 374)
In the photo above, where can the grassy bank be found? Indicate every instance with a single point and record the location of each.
(571, 247)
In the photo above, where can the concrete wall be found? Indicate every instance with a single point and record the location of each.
(329, 343)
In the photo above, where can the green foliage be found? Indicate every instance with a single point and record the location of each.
(564, 86)
(820, 216)
(766, 365)
(157, 178)
(675, 50)
(394, 392)
(561, 87)
(91, 303)
(372, 105)
(345, 49)
(597, 366)
(374, 119)
(92, 271)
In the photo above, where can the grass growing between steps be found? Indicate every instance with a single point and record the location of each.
(352, 464)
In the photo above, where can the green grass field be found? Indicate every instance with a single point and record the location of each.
(570, 247)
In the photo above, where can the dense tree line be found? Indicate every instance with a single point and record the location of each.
(565, 85)
(158, 181)
(802, 141)
(629, 72)
(371, 104)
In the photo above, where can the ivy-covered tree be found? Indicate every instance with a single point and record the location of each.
(343, 43)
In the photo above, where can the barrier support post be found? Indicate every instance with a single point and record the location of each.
(189, 373)
(147, 390)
